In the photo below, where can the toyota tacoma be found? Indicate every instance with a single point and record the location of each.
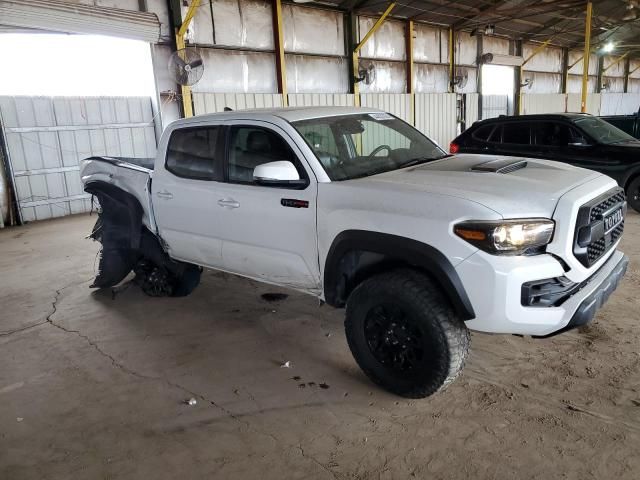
(361, 210)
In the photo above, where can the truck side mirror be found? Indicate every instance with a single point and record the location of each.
(278, 174)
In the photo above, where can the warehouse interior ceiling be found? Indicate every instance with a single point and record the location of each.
(529, 20)
(73, 65)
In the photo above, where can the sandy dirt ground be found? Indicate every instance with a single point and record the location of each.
(93, 384)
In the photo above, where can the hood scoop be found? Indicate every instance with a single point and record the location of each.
(504, 165)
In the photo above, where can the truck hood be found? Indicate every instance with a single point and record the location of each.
(511, 186)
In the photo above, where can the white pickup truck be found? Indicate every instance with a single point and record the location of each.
(358, 208)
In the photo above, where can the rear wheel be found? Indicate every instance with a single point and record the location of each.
(404, 334)
(633, 194)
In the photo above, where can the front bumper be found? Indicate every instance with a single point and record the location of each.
(494, 285)
(590, 305)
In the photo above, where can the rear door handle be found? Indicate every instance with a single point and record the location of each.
(164, 194)
(228, 203)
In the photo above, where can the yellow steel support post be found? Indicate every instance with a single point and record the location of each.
(537, 50)
(585, 63)
(356, 51)
(187, 104)
(452, 59)
(409, 54)
(278, 40)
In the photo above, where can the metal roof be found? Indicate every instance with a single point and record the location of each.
(531, 20)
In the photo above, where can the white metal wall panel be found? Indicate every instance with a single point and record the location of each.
(544, 103)
(436, 116)
(48, 136)
(62, 16)
(431, 44)
(494, 105)
(390, 77)
(471, 108)
(241, 23)
(593, 103)
(398, 104)
(314, 74)
(431, 78)
(386, 43)
(216, 102)
(619, 103)
(321, 99)
(548, 60)
(540, 82)
(312, 30)
(237, 71)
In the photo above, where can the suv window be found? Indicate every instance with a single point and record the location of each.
(483, 133)
(554, 134)
(191, 152)
(252, 146)
(516, 133)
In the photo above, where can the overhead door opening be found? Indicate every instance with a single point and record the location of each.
(497, 89)
(75, 65)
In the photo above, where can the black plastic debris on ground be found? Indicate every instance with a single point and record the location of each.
(274, 297)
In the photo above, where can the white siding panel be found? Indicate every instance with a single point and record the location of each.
(544, 103)
(494, 105)
(471, 109)
(216, 102)
(399, 104)
(436, 116)
(593, 103)
(48, 136)
(321, 99)
(619, 103)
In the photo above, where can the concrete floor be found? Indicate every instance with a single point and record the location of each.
(92, 385)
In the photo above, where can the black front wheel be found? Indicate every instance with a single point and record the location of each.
(404, 334)
(633, 194)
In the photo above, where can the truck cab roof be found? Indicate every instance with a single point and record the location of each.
(289, 114)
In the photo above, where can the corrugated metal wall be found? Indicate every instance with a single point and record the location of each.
(619, 103)
(436, 116)
(593, 103)
(494, 105)
(398, 104)
(321, 99)
(471, 108)
(215, 102)
(543, 103)
(47, 137)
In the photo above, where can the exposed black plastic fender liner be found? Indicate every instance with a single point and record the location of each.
(126, 242)
(339, 273)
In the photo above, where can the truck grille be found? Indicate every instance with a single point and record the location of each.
(599, 226)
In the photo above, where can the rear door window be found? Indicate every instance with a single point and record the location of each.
(516, 133)
(191, 153)
(552, 134)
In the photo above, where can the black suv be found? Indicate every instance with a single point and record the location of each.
(574, 138)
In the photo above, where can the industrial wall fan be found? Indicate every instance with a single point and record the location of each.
(367, 74)
(186, 66)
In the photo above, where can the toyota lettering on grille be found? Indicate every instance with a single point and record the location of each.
(613, 219)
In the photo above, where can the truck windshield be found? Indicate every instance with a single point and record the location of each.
(355, 146)
(603, 132)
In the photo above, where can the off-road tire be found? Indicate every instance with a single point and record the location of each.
(633, 194)
(443, 336)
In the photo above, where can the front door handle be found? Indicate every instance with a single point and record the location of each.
(164, 194)
(228, 203)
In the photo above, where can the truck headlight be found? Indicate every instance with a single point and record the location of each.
(507, 237)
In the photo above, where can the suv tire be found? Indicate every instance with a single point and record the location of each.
(633, 194)
(404, 334)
